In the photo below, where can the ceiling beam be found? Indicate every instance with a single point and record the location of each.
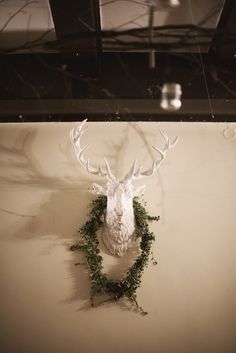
(115, 109)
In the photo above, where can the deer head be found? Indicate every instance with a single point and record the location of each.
(119, 230)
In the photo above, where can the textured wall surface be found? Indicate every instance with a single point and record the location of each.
(44, 197)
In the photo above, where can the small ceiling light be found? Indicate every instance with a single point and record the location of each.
(171, 96)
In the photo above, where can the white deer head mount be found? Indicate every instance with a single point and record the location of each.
(119, 230)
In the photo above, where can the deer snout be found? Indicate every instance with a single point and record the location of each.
(119, 212)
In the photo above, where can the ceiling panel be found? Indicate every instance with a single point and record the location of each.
(25, 21)
(126, 15)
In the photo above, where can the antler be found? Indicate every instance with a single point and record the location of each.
(75, 136)
(135, 171)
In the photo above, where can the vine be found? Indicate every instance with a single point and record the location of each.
(89, 244)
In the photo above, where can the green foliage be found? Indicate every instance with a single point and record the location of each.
(131, 281)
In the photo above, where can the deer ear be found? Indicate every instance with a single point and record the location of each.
(98, 189)
(139, 191)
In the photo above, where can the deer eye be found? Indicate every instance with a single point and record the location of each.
(129, 193)
(110, 192)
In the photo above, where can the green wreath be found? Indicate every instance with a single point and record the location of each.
(89, 244)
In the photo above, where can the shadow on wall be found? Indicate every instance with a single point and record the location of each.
(60, 217)
(58, 205)
(58, 220)
(54, 202)
(62, 207)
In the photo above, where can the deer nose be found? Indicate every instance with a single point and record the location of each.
(119, 212)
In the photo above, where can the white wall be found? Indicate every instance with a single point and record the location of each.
(190, 295)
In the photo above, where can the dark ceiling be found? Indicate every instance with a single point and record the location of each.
(72, 73)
